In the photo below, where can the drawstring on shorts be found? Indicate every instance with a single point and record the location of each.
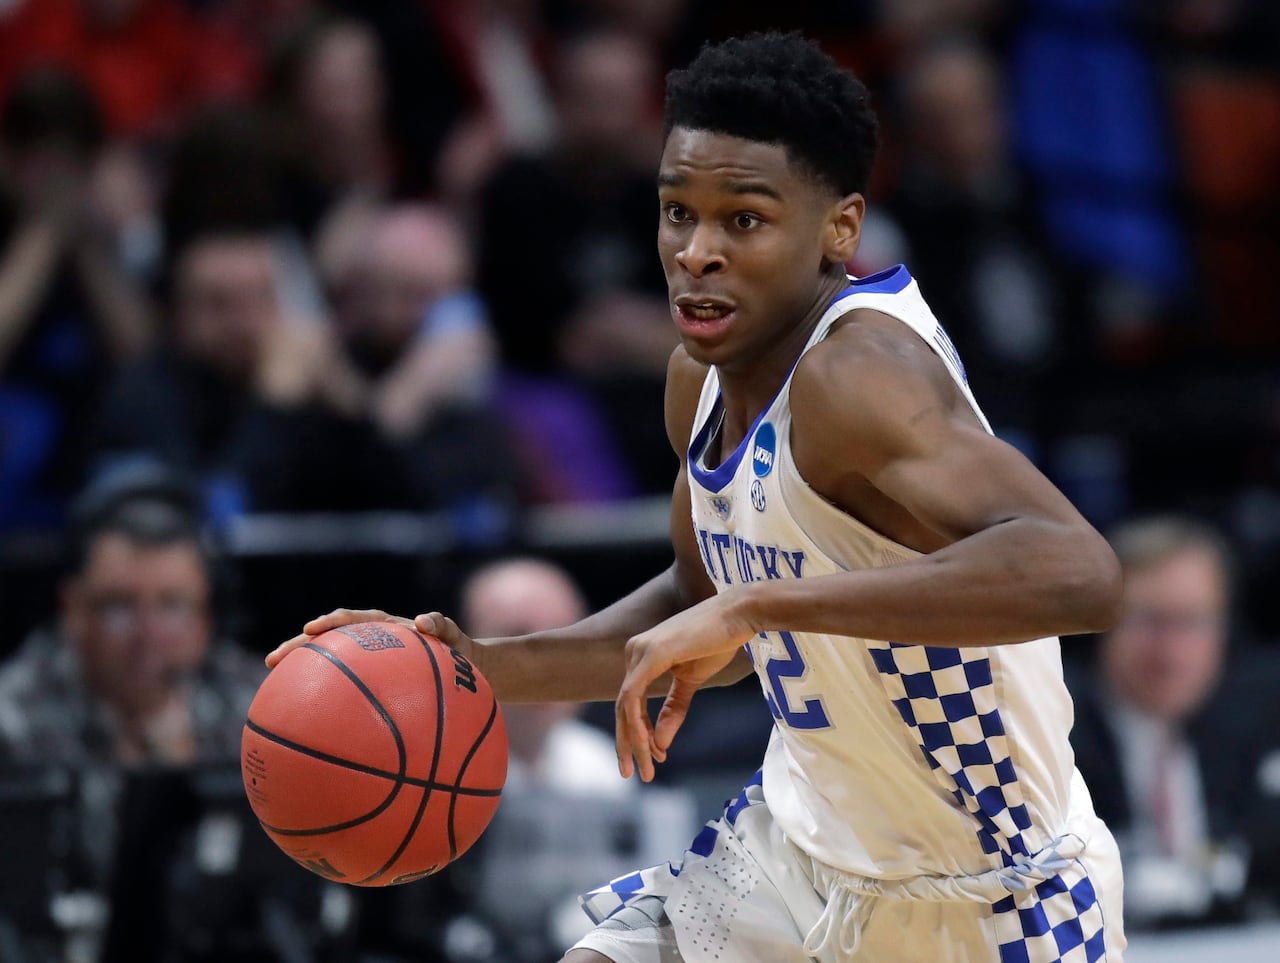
(845, 916)
(851, 899)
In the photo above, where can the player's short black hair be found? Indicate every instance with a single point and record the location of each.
(781, 88)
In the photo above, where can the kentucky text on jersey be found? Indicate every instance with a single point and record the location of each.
(723, 552)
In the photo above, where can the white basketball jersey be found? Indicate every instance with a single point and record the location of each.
(886, 760)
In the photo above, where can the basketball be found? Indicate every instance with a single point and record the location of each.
(374, 755)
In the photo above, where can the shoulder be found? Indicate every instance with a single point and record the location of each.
(685, 378)
(872, 373)
(20, 680)
(36, 702)
(38, 663)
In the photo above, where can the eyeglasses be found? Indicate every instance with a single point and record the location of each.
(1166, 622)
(121, 615)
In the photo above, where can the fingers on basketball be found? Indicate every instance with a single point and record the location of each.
(340, 617)
(441, 626)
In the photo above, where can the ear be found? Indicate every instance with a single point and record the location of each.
(844, 228)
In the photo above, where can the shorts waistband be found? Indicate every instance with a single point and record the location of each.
(850, 898)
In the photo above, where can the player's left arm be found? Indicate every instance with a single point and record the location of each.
(1014, 559)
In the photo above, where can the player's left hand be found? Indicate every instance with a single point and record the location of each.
(693, 646)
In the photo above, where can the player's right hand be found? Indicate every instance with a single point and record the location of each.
(432, 623)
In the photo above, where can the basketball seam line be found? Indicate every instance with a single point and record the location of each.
(453, 802)
(369, 770)
(395, 733)
(435, 763)
(373, 700)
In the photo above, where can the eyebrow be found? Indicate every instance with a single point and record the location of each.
(672, 179)
(754, 187)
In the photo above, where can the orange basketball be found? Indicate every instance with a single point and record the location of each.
(374, 755)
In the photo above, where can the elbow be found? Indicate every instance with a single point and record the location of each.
(1096, 595)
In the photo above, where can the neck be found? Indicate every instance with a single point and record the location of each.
(747, 388)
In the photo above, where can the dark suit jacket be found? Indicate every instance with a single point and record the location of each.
(1232, 737)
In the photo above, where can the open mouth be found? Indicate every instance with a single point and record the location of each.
(703, 315)
(706, 311)
(704, 320)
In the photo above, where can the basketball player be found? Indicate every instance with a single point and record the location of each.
(846, 525)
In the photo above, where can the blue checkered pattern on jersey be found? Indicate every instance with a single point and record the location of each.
(947, 699)
(1058, 920)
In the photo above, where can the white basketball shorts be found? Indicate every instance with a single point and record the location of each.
(743, 893)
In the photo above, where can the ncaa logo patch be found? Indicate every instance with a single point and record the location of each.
(765, 450)
(757, 495)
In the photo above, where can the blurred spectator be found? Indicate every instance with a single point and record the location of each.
(133, 672)
(400, 278)
(1164, 747)
(327, 88)
(428, 91)
(425, 90)
(254, 396)
(146, 60)
(498, 47)
(549, 747)
(411, 321)
(602, 171)
(243, 395)
(137, 689)
(995, 290)
(583, 293)
(224, 173)
(125, 205)
(568, 820)
(68, 314)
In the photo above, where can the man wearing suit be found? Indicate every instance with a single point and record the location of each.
(1161, 746)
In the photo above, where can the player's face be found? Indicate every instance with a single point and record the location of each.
(749, 244)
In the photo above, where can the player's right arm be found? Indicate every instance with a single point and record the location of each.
(585, 661)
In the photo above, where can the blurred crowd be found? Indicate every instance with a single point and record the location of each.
(349, 255)
(398, 254)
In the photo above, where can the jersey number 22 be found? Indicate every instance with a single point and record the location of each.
(810, 715)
